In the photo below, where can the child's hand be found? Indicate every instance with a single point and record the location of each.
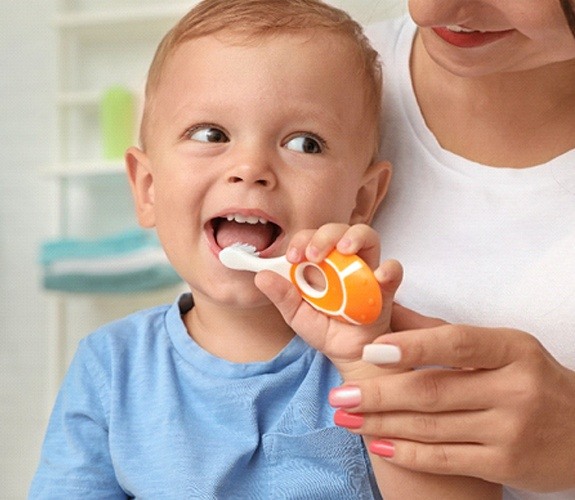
(341, 342)
(315, 244)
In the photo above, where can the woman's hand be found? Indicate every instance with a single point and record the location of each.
(503, 411)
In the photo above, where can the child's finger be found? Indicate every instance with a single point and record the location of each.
(324, 240)
(315, 245)
(297, 246)
(357, 238)
(389, 275)
(362, 240)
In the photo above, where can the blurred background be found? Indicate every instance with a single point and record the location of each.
(67, 69)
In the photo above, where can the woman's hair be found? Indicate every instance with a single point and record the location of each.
(250, 20)
(569, 11)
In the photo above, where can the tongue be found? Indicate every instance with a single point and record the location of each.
(258, 235)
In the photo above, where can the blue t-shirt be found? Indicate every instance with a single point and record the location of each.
(145, 412)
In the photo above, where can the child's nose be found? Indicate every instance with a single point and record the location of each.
(254, 170)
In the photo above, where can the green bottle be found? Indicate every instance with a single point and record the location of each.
(117, 121)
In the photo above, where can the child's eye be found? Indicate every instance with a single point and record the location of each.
(207, 133)
(306, 144)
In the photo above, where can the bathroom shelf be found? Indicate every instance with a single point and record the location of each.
(102, 21)
(79, 98)
(98, 45)
(121, 22)
(84, 169)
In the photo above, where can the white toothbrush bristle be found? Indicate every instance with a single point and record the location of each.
(245, 247)
(238, 255)
(245, 257)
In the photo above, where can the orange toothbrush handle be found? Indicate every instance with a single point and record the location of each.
(350, 291)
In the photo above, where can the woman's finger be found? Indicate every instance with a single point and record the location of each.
(450, 427)
(457, 346)
(425, 391)
(407, 319)
(462, 459)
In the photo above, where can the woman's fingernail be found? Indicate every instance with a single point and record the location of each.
(381, 354)
(347, 396)
(384, 449)
(348, 420)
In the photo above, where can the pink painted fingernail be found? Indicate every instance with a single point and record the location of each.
(347, 396)
(384, 449)
(348, 420)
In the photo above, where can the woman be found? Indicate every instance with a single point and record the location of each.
(480, 128)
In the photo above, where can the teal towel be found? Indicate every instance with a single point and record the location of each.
(135, 281)
(74, 248)
(130, 261)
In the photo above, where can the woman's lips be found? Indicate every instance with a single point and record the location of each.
(469, 39)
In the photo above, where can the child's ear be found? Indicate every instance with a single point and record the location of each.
(371, 193)
(142, 185)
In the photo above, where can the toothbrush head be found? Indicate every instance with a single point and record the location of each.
(237, 256)
(244, 247)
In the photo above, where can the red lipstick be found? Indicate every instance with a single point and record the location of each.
(469, 39)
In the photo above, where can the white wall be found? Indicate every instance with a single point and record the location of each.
(27, 115)
(367, 11)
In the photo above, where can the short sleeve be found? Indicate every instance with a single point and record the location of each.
(75, 460)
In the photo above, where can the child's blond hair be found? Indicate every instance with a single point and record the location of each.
(249, 20)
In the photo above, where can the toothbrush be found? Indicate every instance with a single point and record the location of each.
(350, 291)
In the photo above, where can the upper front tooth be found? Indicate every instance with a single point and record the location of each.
(459, 29)
(250, 219)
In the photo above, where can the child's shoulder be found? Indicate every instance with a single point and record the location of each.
(139, 331)
(142, 321)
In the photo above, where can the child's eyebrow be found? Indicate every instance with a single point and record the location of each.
(324, 117)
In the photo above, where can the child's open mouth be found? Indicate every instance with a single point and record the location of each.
(252, 230)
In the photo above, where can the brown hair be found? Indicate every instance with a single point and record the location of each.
(250, 20)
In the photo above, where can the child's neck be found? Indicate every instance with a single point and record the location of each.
(238, 335)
